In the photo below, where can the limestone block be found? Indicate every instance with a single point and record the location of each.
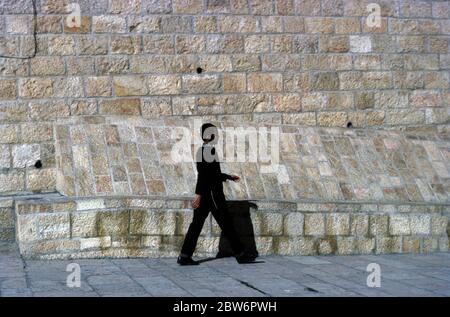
(125, 45)
(411, 245)
(430, 244)
(189, 44)
(314, 224)
(202, 84)
(360, 44)
(439, 224)
(27, 228)
(61, 45)
(187, 6)
(92, 45)
(87, 204)
(378, 225)
(420, 224)
(152, 222)
(158, 44)
(7, 89)
(359, 225)
(36, 88)
(337, 224)
(120, 106)
(41, 180)
(108, 23)
(25, 155)
(113, 223)
(54, 226)
(388, 245)
(164, 84)
(98, 86)
(319, 25)
(205, 24)
(347, 25)
(264, 82)
(364, 245)
(95, 243)
(130, 86)
(399, 225)
(293, 224)
(294, 246)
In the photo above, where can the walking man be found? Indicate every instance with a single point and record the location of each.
(209, 197)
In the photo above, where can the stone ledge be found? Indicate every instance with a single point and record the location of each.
(62, 227)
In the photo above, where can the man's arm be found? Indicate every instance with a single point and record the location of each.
(226, 177)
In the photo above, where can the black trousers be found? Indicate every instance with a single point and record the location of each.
(215, 203)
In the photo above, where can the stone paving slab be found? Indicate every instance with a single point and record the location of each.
(308, 276)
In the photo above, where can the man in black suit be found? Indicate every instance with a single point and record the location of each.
(209, 197)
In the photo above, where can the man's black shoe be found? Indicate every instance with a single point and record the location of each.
(244, 258)
(182, 260)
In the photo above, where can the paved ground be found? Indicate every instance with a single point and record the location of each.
(401, 275)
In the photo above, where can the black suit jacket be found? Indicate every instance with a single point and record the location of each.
(210, 177)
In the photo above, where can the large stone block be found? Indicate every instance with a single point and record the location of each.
(264, 82)
(269, 224)
(53, 226)
(164, 84)
(399, 225)
(388, 245)
(113, 223)
(36, 87)
(293, 224)
(420, 224)
(378, 225)
(152, 222)
(120, 106)
(95, 243)
(25, 155)
(314, 224)
(7, 89)
(41, 180)
(337, 224)
(130, 86)
(196, 84)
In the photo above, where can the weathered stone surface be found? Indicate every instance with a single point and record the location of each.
(36, 88)
(7, 89)
(337, 224)
(264, 82)
(293, 224)
(120, 106)
(98, 86)
(199, 84)
(314, 224)
(163, 85)
(41, 180)
(25, 155)
(129, 86)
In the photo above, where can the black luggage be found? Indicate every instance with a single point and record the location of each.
(239, 211)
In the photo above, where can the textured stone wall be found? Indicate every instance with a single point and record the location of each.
(7, 219)
(305, 62)
(117, 156)
(146, 227)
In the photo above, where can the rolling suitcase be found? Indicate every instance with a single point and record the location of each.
(240, 215)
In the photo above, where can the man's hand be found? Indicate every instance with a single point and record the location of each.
(196, 201)
(235, 178)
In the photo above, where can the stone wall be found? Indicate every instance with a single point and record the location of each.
(304, 62)
(7, 219)
(151, 227)
(110, 156)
